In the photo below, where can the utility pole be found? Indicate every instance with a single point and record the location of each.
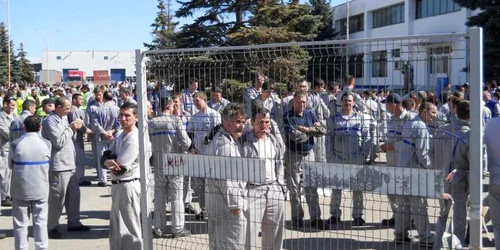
(347, 38)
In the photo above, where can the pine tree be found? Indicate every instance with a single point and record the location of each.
(26, 74)
(211, 28)
(4, 38)
(322, 8)
(163, 28)
(15, 69)
(488, 19)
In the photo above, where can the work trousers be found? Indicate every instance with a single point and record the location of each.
(103, 172)
(125, 220)
(63, 192)
(409, 207)
(5, 175)
(199, 190)
(96, 157)
(170, 186)
(293, 175)
(319, 149)
(20, 218)
(187, 192)
(226, 231)
(494, 201)
(79, 161)
(265, 214)
(357, 204)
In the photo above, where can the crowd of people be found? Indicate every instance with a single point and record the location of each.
(313, 121)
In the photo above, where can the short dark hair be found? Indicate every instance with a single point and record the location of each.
(28, 104)
(259, 110)
(347, 94)
(318, 82)
(463, 110)
(232, 110)
(108, 95)
(349, 79)
(164, 103)
(98, 89)
(425, 106)
(75, 96)
(32, 123)
(129, 105)
(125, 90)
(300, 94)
(61, 101)
(8, 98)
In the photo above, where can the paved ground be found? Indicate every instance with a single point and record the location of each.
(96, 203)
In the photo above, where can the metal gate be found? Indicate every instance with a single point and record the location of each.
(378, 65)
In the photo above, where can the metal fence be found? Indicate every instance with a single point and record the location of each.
(403, 65)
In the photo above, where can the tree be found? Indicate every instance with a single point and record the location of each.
(26, 69)
(163, 28)
(488, 19)
(15, 69)
(4, 38)
(211, 28)
(322, 8)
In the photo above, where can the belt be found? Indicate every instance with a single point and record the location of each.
(123, 181)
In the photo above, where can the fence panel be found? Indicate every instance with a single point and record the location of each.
(343, 191)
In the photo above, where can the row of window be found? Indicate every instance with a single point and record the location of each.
(438, 62)
(60, 58)
(396, 14)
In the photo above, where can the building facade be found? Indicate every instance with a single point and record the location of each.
(120, 64)
(433, 63)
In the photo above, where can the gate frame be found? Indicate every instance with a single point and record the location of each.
(475, 54)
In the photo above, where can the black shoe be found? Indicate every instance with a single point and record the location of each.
(190, 210)
(427, 244)
(2, 236)
(333, 220)
(201, 215)
(358, 222)
(54, 234)
(403, 240)
(389, 222)
(183, 233)
(80, 228)
(84, 183)
(319, 224)
(297, 224)
(7, 203)
(101, 184)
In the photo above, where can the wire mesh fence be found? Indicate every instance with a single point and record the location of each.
(315, 145)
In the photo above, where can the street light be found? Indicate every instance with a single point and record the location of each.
(8, 42)
(48, 35)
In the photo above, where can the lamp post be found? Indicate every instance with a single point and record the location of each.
(8, 42)
(48, 36)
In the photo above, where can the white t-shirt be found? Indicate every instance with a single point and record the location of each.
(266, 151)
(200, 125)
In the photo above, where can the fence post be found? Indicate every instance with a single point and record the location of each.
(140, 71)
(476, 138)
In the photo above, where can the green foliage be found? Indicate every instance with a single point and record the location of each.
(323, 9)
(26, 69)
(163, 28)
(15, 69)
(4, 38)
(489, 20)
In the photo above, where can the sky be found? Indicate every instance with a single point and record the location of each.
(83, 25)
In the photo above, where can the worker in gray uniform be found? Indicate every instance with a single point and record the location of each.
(226, 199)
(415, 154)
(393, 141)
(105, 124)
(7, 115)
(252, 92)
(17, 126)
(453, 149)
(77, 113)
(266, 202)
(89, 118)
(123, 162)
(30, 185)
(315, 103)
(64, 189)
(168, 135)
(301, 125)
(348, 141)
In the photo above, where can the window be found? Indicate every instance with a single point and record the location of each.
(379, 63)
(106, 58)
(356, 24)
(439, 59)
(396, 53)
(58, 57)
(388, 16)
(428, 8)
(355, 64)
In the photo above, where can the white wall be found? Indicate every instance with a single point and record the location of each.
(88, 61)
